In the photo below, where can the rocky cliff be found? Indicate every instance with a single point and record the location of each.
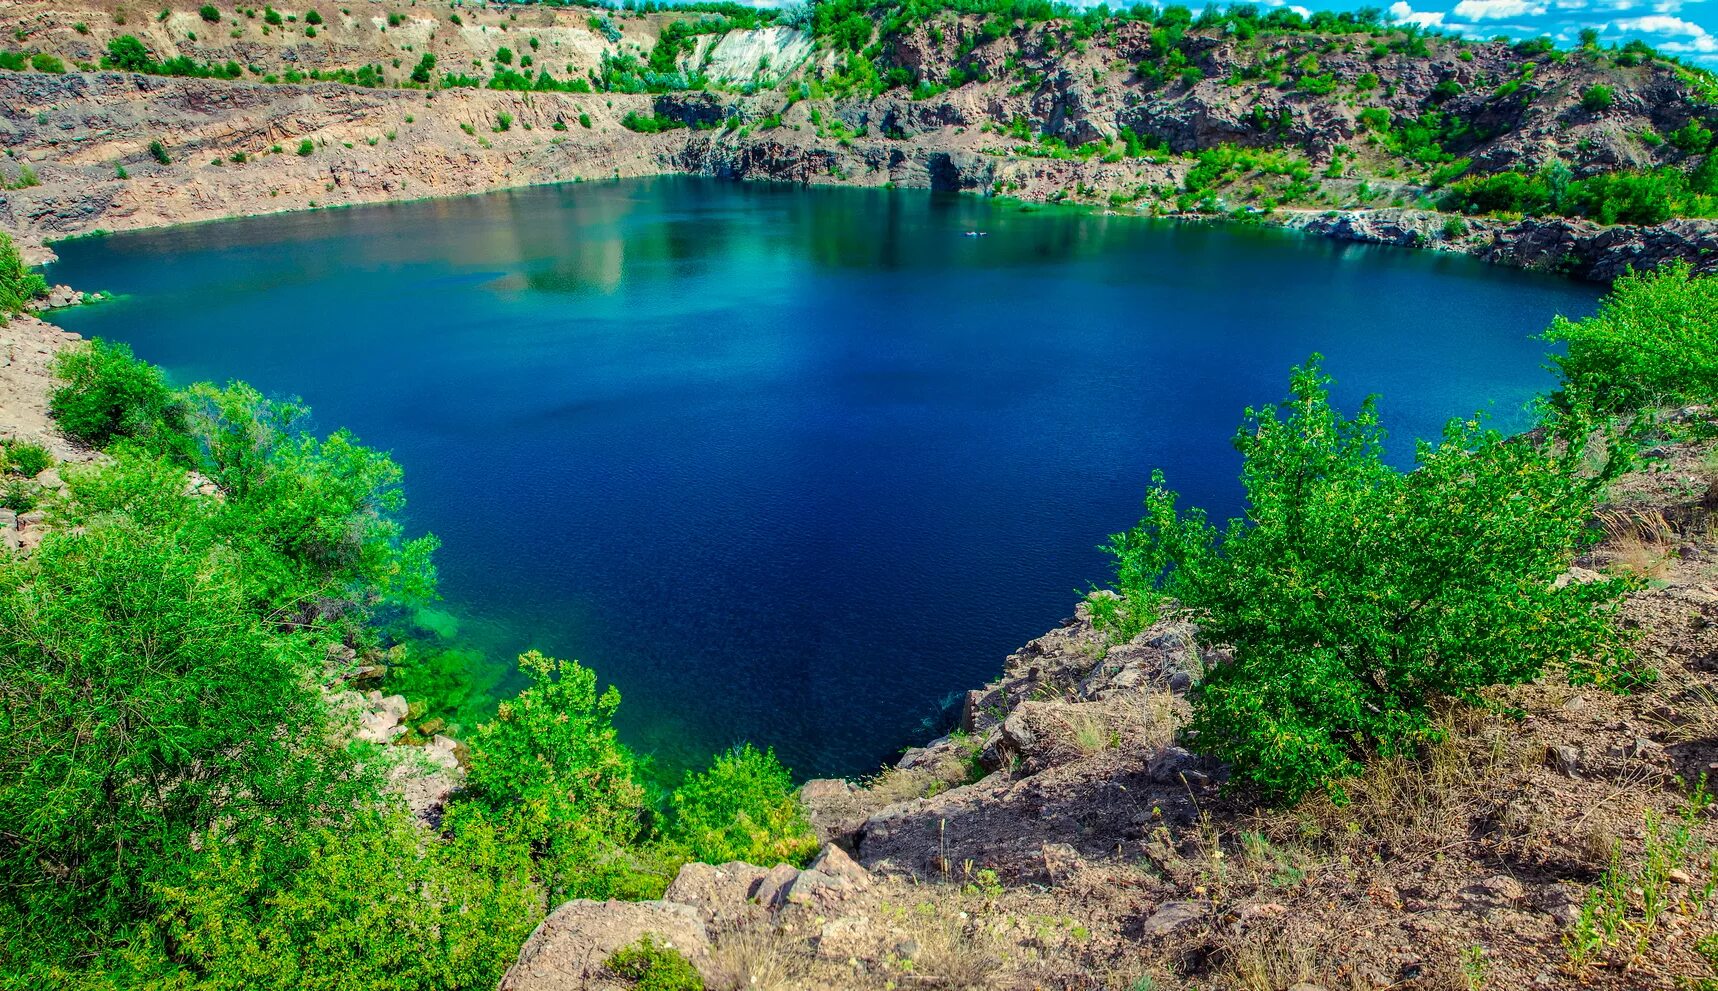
(1337, 134)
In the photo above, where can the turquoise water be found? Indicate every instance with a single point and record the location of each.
(794, 465)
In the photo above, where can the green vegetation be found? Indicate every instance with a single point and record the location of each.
(43, 62)
(18, 285)
(742, 808)
(651, 967)
(1597, 97)
(210, 13)
(1654, 342)
(182, 807)
(127, 54)
(653, 124)
(1357, 599)
(1357, 596)
(306, 147)
(1629, 197)
(24, 458)
(158, 151)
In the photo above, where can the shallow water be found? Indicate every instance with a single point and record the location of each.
(794, 465)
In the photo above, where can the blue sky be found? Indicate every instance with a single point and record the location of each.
(1685, 28)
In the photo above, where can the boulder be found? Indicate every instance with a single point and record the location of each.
(1171, 916)
(716, 891)
(568, 950)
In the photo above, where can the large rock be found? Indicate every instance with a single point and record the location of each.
(568, 950)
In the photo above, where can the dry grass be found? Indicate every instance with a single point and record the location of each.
(758, 959)
(1161, 718)
(1260, 960)
(1089, 730)
(1639, 543)
(955, 954)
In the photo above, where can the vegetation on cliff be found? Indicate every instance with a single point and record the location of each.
(18, 284)
(1358, 599)
(184, 804)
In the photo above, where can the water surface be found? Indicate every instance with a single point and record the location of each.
(793, 465)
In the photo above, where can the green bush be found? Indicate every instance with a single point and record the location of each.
(653, 967)
(25, 458)
(108, 393)
(18, 285)
(1654, 341)
(158, 151)
(743, 807)
(549, 771)
(43, 62)
(312, 17)
(210, 13)
(306, 147)
(1597, 97)
(1357, 597)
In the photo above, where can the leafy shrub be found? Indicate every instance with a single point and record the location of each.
(1356, 596)
(1597, 97)
(108, 393)
(374, 903)
(503, 121)
(743, 807)
(43, 62)
(158, 151)
(550, 771)
(312, 17)
(306, 147)
(15, 61)
(210, 13)
(585, 121)
(18, 285)
(1653, 341)
(19, 496)
(25, 458)
(654, 967)
(653, 124)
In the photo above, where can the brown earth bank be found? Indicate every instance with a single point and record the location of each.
(765, 113)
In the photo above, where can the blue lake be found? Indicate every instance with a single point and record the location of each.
(794, 465)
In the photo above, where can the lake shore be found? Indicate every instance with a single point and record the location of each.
(86, 135)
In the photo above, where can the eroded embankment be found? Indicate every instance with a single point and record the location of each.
(237, 149)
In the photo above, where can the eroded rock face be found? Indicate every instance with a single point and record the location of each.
(567, 951)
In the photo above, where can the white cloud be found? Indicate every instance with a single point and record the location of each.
(1424, 18)
(1493, 10)
(1302, 11)
(1659, 24)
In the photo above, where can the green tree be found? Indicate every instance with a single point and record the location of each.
(1597, 97)
(18, 285)
(743, 807)
(1356, 596)
(108, 393)
(1654, 341)
(127, 54)
(551, 772)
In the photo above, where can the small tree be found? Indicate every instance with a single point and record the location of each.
(1356, 596)
(18, 285)
(1654, 341)
(108, 393)
(743, 807)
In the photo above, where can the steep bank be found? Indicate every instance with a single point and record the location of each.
(1351, 131)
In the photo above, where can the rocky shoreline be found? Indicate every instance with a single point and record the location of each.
(80, 131)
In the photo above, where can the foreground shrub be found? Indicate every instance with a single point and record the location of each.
(143, 705)
(24, 458)
(550, 771)
(743, 807)
(1357, 597)
(1654, 341)
(108, 393)
(18, 285)
(654, 967)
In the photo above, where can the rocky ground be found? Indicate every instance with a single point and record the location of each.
(1062, 840)
(232, 148)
